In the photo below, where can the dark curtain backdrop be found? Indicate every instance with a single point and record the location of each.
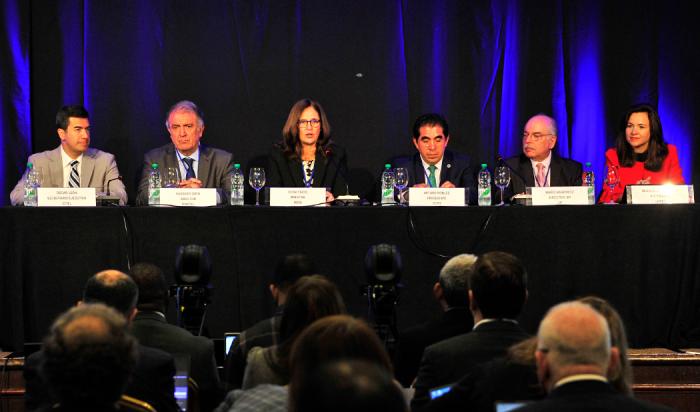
(374, 65)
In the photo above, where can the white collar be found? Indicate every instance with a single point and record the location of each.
(67, 160)
(546, 162)
(489, 320)
(580, 377)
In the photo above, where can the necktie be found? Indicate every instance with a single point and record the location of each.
(541, 177)
(190, 168)
(431, 176)
(74, 178)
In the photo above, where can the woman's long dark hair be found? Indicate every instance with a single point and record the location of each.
(657, 150)
(290, 144)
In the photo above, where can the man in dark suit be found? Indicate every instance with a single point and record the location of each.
(152, 379)
(197, 166)
(152, 329)
(434, 165)
(497, 293)
(539, 165)
(451, 293)
(573, 356)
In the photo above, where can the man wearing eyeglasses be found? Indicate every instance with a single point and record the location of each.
(538, 165)
(196, 165)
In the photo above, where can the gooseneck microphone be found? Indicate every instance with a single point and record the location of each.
(328, 153)
(112, 180)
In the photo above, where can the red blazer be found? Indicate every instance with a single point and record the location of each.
(670, 173)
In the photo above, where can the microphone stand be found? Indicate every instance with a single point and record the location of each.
(346, 199)
(109, 200)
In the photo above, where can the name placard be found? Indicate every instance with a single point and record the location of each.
(660, 194)
(66, 196)
(188, 197)
(559, 195)
(297, 196)
(436, 196)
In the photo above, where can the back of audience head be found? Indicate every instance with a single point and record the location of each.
(153, 289)
(348, 385)
(498, 286)
(288, 270)
(573, 338)
(452, 285)
(89, 357)
(113, 288)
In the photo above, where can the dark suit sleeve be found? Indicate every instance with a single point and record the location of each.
(209, 383)
(142, 192)
(339, 160)
(153, 380)
(36, 394)
(275, 163)
(428, 377)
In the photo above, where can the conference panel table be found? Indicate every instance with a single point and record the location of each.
(644, 259)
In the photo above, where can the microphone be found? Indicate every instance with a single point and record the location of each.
(112, 180)
(347, 198)
(109, 200)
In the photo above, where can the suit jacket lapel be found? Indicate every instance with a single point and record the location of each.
(87, 168)
(446, 171)
(418, 172)
(55, 168)
(556, 172)
(295, 168)
(320, 169)
(204, 165)
(526, 171)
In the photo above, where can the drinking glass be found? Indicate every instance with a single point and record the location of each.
(256, 178)
(400, 182)
(170, 178)
(612, 179)
(501, 176)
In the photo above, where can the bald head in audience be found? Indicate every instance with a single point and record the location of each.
(115, 289)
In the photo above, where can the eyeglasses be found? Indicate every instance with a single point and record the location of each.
(536, 136)
(306, 123)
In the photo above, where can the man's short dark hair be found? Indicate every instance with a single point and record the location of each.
(153, 289)
(65, 112)
(499, 285)
(430, 119)
(348, 385)
(89, 356)
(113, 288)
(292, 267)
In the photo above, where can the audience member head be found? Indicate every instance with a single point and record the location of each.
(573, 338)
(539, 137)
(619, 375)
(89, 357)
(113, 288)
(498, 287)
(306, 124)
(430, 137)
(348, 386)
(309, 298)
(73, 128)
(452, 288)
(639, 132)
(153, 289)
(185, 124)
(289, 269)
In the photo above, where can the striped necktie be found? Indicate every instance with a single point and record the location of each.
(74, 178)
(189, 165)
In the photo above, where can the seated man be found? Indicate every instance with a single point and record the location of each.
(73, 163)
(434, 165)
(152, 329)
(89, 358)
(539, 165)
(197, 165)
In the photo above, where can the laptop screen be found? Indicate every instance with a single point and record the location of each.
(229, 338)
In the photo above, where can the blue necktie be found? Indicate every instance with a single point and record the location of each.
(190, 168)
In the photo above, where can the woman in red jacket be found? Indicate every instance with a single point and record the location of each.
(641, 156)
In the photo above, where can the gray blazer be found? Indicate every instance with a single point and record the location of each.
(96, 169)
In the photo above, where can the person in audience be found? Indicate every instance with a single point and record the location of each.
(348, 386)
(451, 292)
(197, 165)
(265, 333)
(539, 165)
(152, 379)
(88, 358)
(73, 163)
(641, 156)
(307, 156)
(574, 355)
(434, 165)
(330, 338)
(152, 329)
(309, 298)
(497, 293)
(514, 377)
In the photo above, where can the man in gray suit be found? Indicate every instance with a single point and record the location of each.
(196, 165)
(74, 163)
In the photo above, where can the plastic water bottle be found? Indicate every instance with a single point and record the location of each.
(31, 182)
(484, 186)
(154, 185)
(388, 180)
(589, 180)
(237, 185)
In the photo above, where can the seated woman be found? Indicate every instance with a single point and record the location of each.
(307, 156)
(641, 156)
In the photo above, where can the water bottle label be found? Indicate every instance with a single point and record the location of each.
(154, 196)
